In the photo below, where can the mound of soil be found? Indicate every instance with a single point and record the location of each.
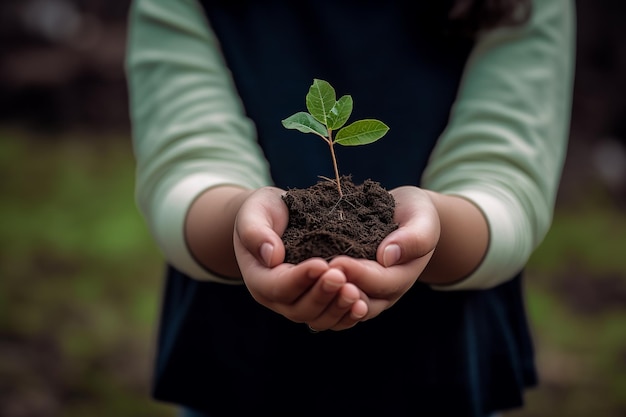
(323, 225)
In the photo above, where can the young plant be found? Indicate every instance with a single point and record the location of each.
(327, 114)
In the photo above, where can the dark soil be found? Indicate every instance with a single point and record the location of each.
(323, 225)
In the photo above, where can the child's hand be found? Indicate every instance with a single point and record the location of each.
(402, 256)
(311, 291)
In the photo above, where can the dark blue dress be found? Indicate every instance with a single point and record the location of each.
(461, 354)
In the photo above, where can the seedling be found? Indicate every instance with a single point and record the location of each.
(327, 114)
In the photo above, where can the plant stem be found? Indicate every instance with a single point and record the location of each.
(332, 153)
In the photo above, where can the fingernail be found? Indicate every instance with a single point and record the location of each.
(391, 255)
(331, 286)
(359, 310)
(266, 253)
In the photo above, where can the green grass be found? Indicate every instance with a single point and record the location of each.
(576, 297)
(81, 279)
(592, 236)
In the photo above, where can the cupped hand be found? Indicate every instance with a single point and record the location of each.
(310, 291)
(401, 257)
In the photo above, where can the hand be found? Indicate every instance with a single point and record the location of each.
(311, 291)
(401, 257)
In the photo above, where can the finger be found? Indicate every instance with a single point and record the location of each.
(368, 276)
(281, 287)
(358, 312)
(364, 309)
(377, 281)
(260, 223)
(340, 307)
(326, 288)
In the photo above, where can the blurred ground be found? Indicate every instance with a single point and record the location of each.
(80, 277)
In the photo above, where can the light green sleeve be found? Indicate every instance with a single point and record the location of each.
(189, 128)
(506, 141)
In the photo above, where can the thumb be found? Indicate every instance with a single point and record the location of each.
(259, 225)
(418, 228)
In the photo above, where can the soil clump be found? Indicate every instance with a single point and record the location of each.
(323, 225)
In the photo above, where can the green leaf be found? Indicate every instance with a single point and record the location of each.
(320, 100)
(305, 123)
(340, 113)
(361, 132)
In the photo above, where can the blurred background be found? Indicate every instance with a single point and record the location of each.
(80, 277)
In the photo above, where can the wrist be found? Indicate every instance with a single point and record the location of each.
(463, 240)
(209, 228)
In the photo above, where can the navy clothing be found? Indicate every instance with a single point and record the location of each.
(463, 353)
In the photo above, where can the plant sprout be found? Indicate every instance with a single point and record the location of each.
(327, 114)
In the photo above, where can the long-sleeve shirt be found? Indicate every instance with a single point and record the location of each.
(503, 148)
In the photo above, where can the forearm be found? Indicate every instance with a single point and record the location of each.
(190, 134)
(463, 241)
(504, 147)
(209, 229)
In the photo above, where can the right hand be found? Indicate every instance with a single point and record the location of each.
(402, 256)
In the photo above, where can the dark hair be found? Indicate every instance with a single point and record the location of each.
(470, 17)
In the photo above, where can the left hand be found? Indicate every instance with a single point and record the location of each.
(310, 291)
(401, 257)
